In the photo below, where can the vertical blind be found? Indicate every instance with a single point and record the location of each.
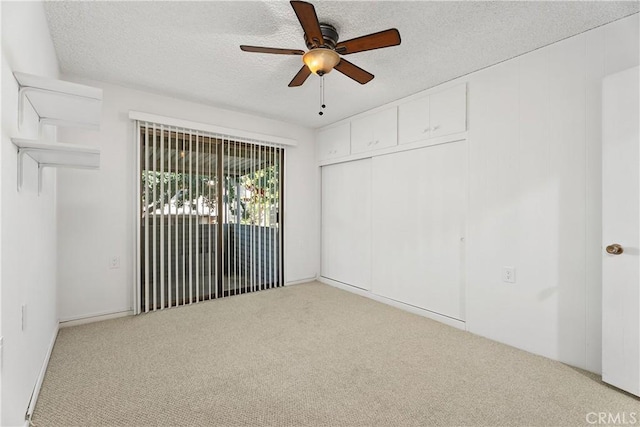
(210, 222)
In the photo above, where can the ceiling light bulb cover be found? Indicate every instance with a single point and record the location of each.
(321, 60)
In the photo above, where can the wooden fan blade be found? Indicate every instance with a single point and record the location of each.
(379, 40)
(353, 71)
(300, 77)
(275, 50)
(306, 14)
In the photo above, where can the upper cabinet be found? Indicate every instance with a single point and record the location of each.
(375, 131)
(333, 142)
(448, 111)
(413, 120)
(440, 114)
(421, 121)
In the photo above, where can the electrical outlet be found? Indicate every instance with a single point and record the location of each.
(114, 261)
(509, 274)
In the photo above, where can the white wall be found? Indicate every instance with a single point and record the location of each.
(95, 208)
(28, 221)
(535, 195)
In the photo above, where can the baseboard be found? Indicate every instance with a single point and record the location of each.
(43, 371)
(301, 281)
(90, 318)
(459, 324)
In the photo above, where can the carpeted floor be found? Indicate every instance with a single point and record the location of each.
(306, 355)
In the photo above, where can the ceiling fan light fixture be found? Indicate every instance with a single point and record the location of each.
(321, 60)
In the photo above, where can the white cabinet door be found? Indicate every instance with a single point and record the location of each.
(333, 142)
(375, 131)
(419, 203)
(413, 121)
(621, 225)
(362, 134)
(346, 223)
(448, 110)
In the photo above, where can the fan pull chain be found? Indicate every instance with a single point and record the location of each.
(322, 94)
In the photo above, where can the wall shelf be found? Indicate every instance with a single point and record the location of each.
(58, 102)
(48, 154)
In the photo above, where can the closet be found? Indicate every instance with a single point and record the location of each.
(394, 213)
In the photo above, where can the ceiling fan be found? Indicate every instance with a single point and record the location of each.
(324, 50)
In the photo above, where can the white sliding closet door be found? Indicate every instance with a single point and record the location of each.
(419, 204)
(346, 223)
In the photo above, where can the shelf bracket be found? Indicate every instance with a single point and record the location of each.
(20, 168)
(21, 153)
(22, 95)
(41, 166)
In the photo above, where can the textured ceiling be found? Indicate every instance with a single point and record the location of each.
(190, 50)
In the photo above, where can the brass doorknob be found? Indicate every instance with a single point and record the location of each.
(614, 249)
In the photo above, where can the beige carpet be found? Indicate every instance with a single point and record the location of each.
(306, 355)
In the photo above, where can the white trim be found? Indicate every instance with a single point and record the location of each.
(462, 136)
(235, 134)
(284, 218)
(301, 281)
(459, 324)
(137, 285)
(43, 370)
(95, 317)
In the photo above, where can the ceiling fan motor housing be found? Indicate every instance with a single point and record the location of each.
(329, 34)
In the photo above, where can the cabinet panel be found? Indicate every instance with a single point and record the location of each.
(419, 200)
(346, 223)
(413, 121)
(333, 142)
(362, 134)
(448, 110)
(375, 131)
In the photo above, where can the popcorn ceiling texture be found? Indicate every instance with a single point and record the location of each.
(190, 49)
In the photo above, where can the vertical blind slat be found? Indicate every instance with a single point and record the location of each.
(272, 212)
(169, 192)
(209, 187)
(161, 217)
(147, 277)
(176, 246)
(238, 280)
(183, 155)
(254, 196)
(197, 195)
(280, 216)
(260, 228)
(155, 245)
(228, 228)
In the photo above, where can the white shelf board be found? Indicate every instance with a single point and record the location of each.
(48, 154)
(60, 103)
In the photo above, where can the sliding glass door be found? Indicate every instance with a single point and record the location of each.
(210, 217)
